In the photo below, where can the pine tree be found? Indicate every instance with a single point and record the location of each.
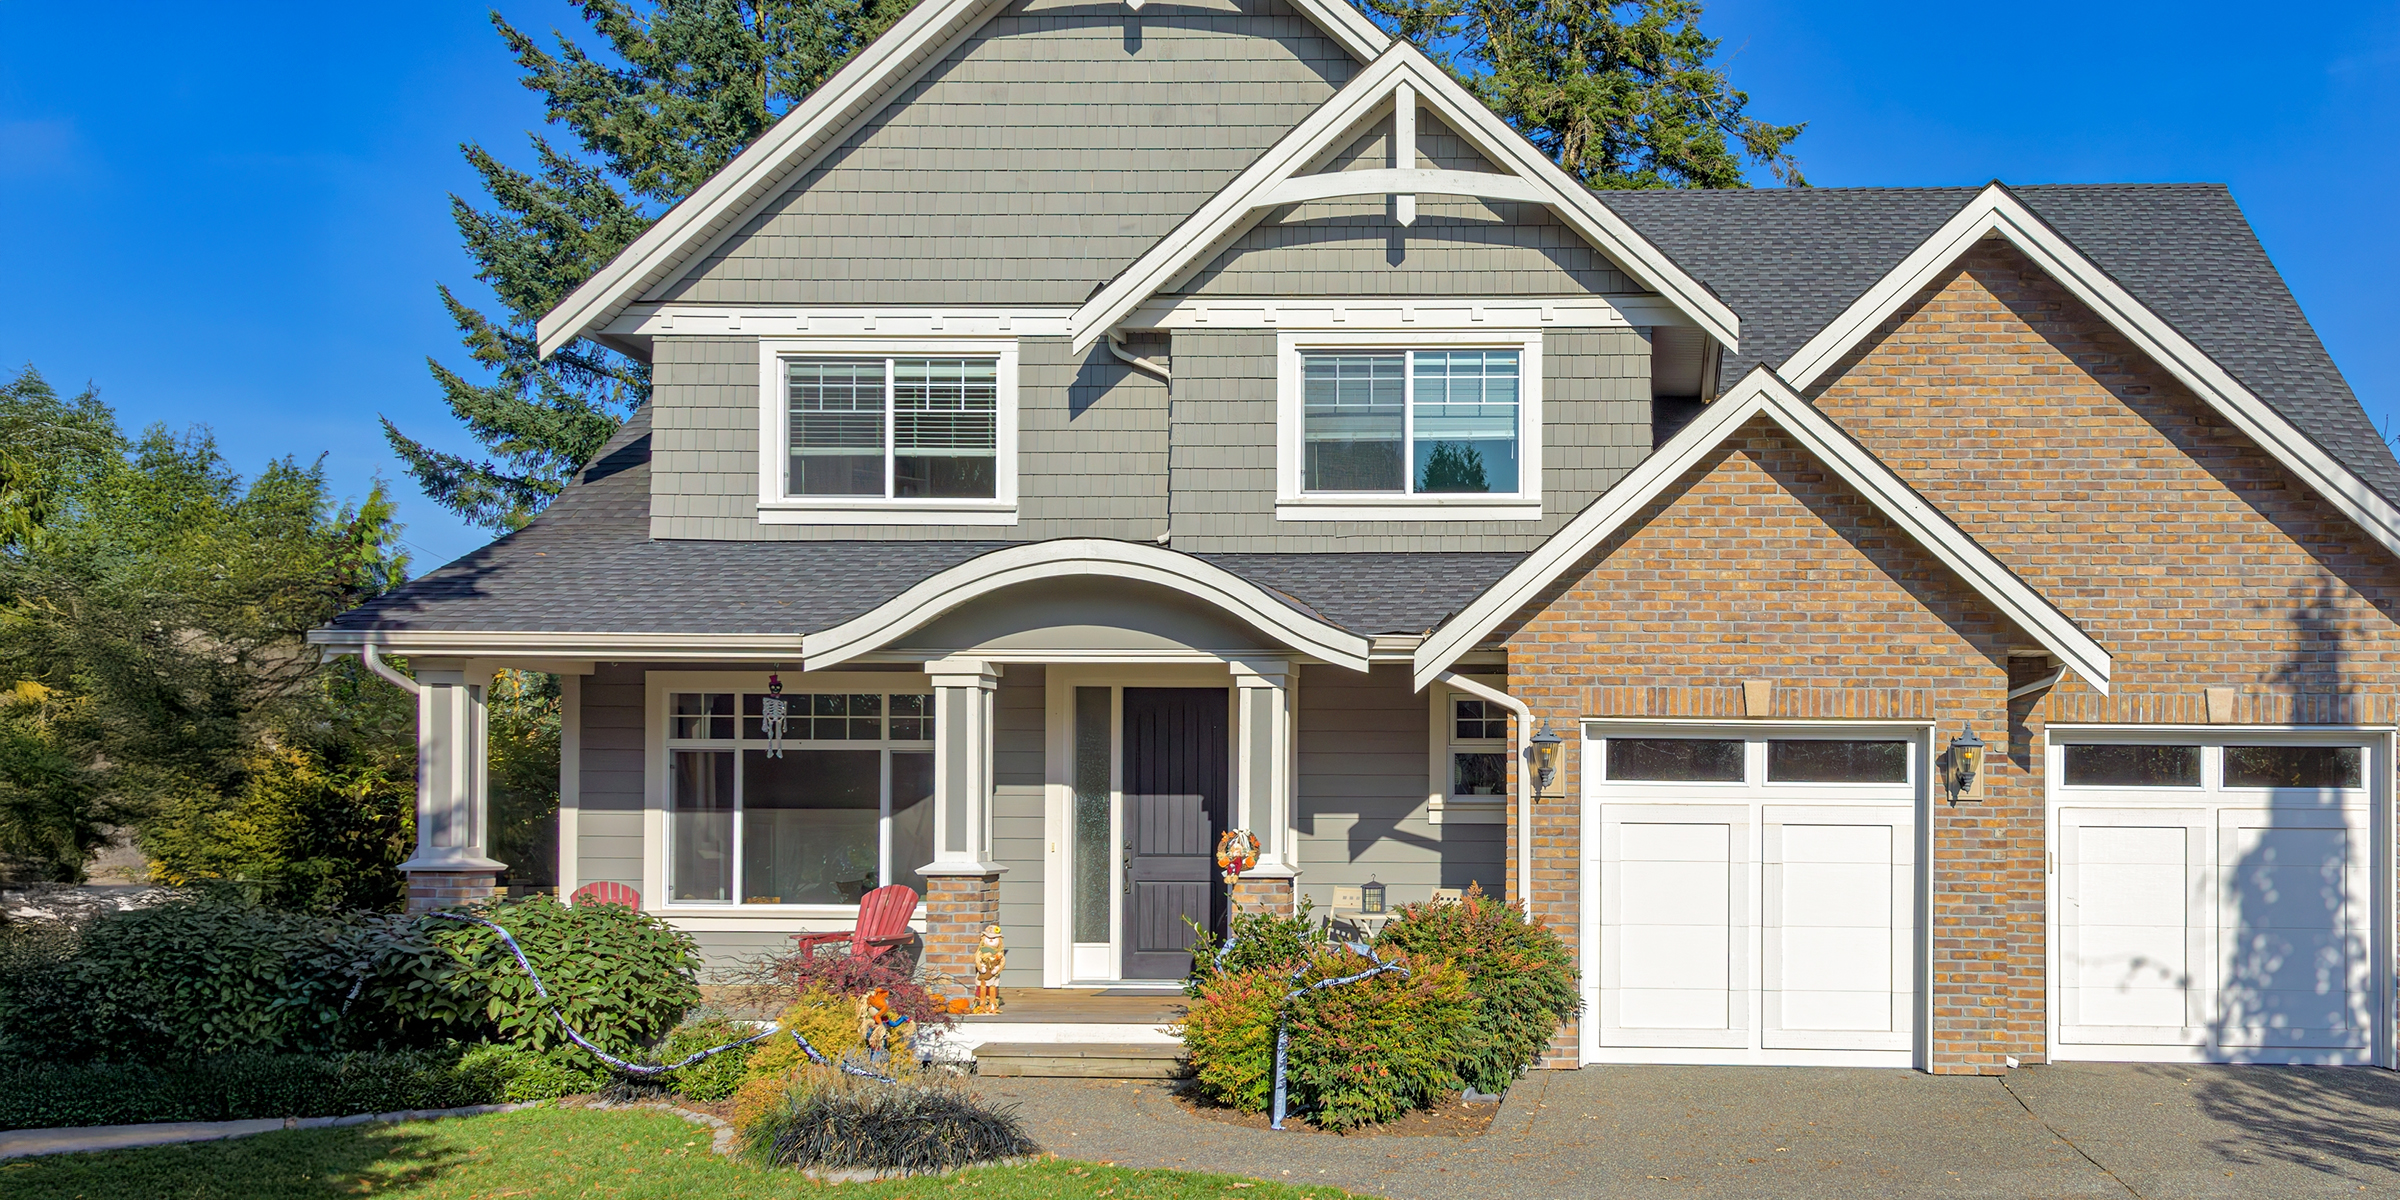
(1621, 93)
(680, 87)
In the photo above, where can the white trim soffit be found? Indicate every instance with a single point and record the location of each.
(1092, 557)
(813, 128)
(1276, 179)
(1997, 211)
(1761, 393)
(1403, 312)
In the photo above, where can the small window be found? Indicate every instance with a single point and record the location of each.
(1676, 760)
(2294, 766)
(893, 428)
(2126, 764)
(1825, 760)
(1479, 774)
(1480, 720)
(703, 715)
(1413, 422)
(1478, 748)
(912, 718)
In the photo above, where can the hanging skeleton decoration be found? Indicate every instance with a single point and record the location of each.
(775, 716)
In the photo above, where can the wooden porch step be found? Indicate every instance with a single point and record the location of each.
(1080, 1060)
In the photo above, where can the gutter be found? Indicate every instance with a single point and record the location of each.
(1116, 346)
(375, 663)
(1525, 789)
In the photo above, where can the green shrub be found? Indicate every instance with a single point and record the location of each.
(233, 1087)
(623, 978)
(1261, 938)
(713, 1078)
(520, 1074)
(1229, 1036)
(1521, 973)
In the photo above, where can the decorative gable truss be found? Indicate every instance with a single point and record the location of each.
(1761, 393)
(1998, 212)
(1391, 88)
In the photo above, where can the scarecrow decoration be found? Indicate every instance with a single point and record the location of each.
(880, 1029)
(774, 715)
(1237, 852)
(991, 954)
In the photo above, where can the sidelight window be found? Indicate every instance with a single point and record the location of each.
(844, 808)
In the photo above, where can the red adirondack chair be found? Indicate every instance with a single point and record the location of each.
(606, 893)
(882, 924)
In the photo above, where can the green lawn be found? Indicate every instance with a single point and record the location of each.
(537, 1153)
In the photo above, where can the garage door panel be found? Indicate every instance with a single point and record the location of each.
(1835, 960)
(1838, 926)
(1832, 1011)
(1855, 895)
(2133, 935)
(1674, 930)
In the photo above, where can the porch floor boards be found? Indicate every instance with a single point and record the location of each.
(1081, 1006)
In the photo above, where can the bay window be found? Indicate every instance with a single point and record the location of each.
(843, 806)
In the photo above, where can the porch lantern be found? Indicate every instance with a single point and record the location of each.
(1545, 757)
(1370, 897)
(1961, 761)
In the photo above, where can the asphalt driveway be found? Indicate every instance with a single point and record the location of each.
(2084, 1130)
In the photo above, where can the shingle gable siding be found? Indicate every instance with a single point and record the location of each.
(1044, 154)
(1596, 427)
(1459, 246)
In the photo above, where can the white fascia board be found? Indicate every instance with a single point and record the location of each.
(1063, 558)
(1761, 393)
(1997, 211)
(1257, 189)
(1405, 312)
(569, 644)
(887, 64)
(838, 320)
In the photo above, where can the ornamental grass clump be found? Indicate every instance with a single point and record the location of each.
(1520, 971)
(840, 1123)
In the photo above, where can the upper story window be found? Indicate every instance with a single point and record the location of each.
(1410, 427)
(914, 432)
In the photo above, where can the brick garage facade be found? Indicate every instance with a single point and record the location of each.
(2222, 589)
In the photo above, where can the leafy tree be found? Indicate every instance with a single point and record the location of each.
(677, 89)
(152, 603)
(1622, 93)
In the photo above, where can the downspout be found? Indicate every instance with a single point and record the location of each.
(1116, 346)
(375, 663)
(1525, 788)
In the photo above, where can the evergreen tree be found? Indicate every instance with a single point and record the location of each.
(678, 88)
(1621, 93)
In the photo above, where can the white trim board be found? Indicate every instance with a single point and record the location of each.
(837, 320)
(1065, 558)
(1761, 393)
(1402, 71)
(1997, 212)
(1403, 312)
(812, 129)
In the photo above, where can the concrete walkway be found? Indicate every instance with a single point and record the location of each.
(2152, 1132)
(23, 1143)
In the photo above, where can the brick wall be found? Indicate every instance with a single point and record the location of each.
(957, 907)
(1253, 894)
(429, 890)
(2196, 560)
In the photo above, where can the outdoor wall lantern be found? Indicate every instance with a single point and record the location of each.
(1370, 897)
(1545, 757)
(1961, 761)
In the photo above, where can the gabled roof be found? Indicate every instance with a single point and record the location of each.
(814, 127)
(1790, 261)
(1761, 393)
(1402, 74)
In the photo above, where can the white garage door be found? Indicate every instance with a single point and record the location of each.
(1756, 897)
(2213, 900)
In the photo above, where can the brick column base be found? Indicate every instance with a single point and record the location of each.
(957, 907)
(1253, 893)
(429, 890)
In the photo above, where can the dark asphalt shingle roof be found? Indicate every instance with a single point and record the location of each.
(1788, 261)
(589, 565)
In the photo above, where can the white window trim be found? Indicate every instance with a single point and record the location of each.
(658, 686)
(1442, 807)
(774, 414)
(1294, 504)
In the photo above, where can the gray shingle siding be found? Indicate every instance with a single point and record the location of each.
(1043, 155)
(608, 819)
(1459, 246)
(1362, 790)
(1596, 426)
(1091, 459)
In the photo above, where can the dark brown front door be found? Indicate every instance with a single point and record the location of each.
(1175, 805)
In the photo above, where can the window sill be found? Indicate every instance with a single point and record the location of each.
(932, 512)
(1458, 509)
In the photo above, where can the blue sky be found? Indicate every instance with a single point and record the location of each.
(236, 215)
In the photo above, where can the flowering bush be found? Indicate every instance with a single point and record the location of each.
(789, 978)
(1521, 974)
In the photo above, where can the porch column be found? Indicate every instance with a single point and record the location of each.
(962, 883)
(1262, 780)
(450, 867)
